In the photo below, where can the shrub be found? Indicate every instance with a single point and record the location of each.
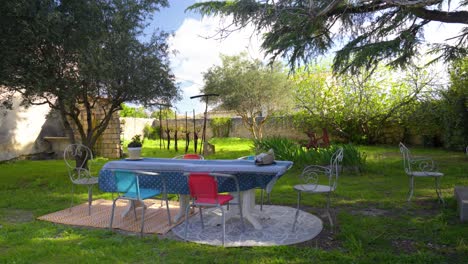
(136, 142)
(151, 132)
(221, 126)
(287, 149)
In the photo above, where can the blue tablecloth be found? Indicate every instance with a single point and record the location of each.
(248, 174)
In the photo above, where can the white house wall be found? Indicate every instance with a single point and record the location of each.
(20, 128)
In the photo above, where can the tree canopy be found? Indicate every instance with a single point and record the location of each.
(128, 111)
(356, 107)
(249, 88)
(72, 55)
(372, 31)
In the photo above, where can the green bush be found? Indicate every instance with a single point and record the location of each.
(287, 149)
(151, 132)
(221, 126)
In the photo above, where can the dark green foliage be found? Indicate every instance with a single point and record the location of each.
(151, 132)
(456, 107)
(74, 55)
(375, 31)
(128, 111)
(442, 118)
(287, 149)
(221, 126)
(136, 142)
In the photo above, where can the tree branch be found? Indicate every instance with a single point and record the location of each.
(441, 16)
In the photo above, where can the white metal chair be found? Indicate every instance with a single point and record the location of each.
(77, 157)
(204, 193)
(420, 167)
(128, 186)
(310, 178)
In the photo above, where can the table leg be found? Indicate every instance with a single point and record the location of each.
(248, 210)
(184, 200)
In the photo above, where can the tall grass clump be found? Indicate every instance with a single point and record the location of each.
(287, 149)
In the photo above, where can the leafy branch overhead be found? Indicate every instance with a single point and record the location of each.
(371, 31)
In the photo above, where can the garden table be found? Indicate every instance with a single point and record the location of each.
(249, 175)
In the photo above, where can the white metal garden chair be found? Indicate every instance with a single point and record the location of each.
(77, 157)
(420, 167)
(310, 177)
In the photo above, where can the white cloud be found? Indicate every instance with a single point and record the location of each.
(198, 48)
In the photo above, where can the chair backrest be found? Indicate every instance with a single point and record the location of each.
(335, 167)
(76, 157)
(126, 181)
(311, 174)
(406, 158)
(190, 156)
(202, 185)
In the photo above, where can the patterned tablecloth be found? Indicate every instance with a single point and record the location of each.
(248, 174)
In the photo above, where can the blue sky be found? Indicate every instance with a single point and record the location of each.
(170, 19)
(197, 50)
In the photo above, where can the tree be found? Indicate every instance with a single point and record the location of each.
(72, 55)
(251, 89)
(128, 111)
(441, 117)
(166, 113)
(375, 30)
(455, 102)
(357, 107)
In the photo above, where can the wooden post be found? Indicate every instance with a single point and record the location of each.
(175, 132)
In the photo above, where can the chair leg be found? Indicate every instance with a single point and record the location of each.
(90, 198)
(134, 209)
(112, 213)
(73, 193)
(168, 212)
(142, 221)
(411, 188)
(261, 200)
(438, 191)
(201, 217)
(186, 220)
(224, 224)
(297, 210)
(328, 212)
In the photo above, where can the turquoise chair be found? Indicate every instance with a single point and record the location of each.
(128, 187)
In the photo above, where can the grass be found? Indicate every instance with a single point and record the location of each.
(374, 223)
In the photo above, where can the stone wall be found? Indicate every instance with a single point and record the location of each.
(108, 145)
(274, 127)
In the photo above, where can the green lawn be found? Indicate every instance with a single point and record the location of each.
(374, 222)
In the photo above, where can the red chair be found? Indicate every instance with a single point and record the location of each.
(204, 192)
(190, 156)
